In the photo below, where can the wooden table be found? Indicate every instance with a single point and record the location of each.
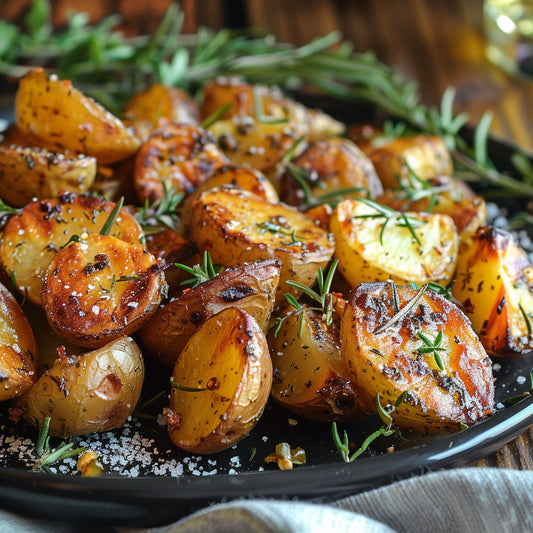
(436, 42)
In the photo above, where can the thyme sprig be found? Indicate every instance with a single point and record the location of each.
(48, 456)
(402, 220)
(91, 56)
(200, 273)
(343, 445)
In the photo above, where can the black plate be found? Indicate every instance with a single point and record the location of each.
(150, 499)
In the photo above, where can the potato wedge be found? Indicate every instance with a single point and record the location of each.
(94, 391)
(28, 173)
(330, 165)
(101, 288)
(32, 237)
(244, 177)
(374, 243)
(444, 387)
(310, 376)
(227, 358)
(237, 227)
(494, 282)
(63, 119)
(251, 288)
(19, 365)
(177, 155)
(395, 158)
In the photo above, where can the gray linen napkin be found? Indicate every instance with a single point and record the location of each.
(468, 499)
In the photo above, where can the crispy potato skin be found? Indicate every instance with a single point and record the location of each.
(229, 357)
(310, 376)
(33, 237)
(362, 257)
(94, 391)
(28, 173)
(177, 155)
(494, 282)
(426, 155)
(101, 288)
(251, 288)
(19, 365)
(388, 361)
(335, 164)
(233, 226)
(63, 119)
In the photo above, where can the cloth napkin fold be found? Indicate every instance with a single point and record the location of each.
(464, 500)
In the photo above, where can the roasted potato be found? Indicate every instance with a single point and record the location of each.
(395, 158)
(237, 227)
(375, 243)
(158, 104)
(32, 237)
(227, 360)
(399, 341)
(494, 282)
(251, 288)
(28, 173)
(63, 119)
(101, 288)
(94, 391)
(19, 364)
(310, 376)
(329, 166)
(177, 155)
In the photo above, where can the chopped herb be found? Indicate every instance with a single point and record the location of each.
(274, 228)
(184, 388)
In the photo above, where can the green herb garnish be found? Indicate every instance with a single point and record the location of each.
(432, 347)
(106, 228)
(200, 273)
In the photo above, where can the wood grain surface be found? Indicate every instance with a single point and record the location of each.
(435, 42)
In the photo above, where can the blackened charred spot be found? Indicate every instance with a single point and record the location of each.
(236, 293)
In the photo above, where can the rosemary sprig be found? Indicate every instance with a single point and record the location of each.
(216, 115)
(47, 456)
(200, 273)
(106, 228)
(163, 212)
(184, 388)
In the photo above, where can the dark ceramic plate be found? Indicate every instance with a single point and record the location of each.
(150, 499)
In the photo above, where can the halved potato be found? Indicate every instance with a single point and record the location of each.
(374, 243)
(28, 173)
(94, 391)
(332, 165)
(33, 237)
(237, 227)
(101, 288)
(64, 119)
(177, 155)
(228, 360)
(394, 158)
(310, 376)
(19, 365)
(387, 355)
(251, 288)
(494, 282)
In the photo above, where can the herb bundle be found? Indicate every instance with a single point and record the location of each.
(111, 68)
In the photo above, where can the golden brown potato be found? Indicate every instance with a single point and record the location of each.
(94, 391)
(177, 155)
(427, 351)
(310, 376)
(101, 288)
(28, 173)
(244, 177)
(32, 237)
(330, 165)
(395, 158)
(237, 227)
(258, 144)
(375, 243)
(494, 282)
(227, 360)
(63, 119)
(251, 288)
(19, 365)
(159, 104)
(241, 97)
